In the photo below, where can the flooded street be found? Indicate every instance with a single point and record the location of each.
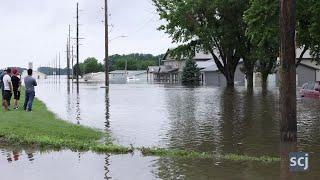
(204, 119)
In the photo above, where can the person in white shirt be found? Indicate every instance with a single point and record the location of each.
(8, 89)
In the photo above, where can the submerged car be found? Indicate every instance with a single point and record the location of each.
(311, 89)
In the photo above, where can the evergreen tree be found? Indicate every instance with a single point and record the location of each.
(191, 73)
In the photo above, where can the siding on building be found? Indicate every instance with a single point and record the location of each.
(305, 74)
(216, 78)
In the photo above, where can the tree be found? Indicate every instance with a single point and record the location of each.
(288, 102)
(214, 26)
(91, 65)
(262, 19)
(133, 61)
(190, 73)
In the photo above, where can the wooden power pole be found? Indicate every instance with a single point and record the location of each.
(68, 54)
(72, 62)
(77, 67)
(59, 70)
(106, 57)
(288, 102)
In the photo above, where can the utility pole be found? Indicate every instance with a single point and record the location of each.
(68, 59)
(72, 62)
(68, 54)
(55, 66)
(77, 67)
(106, 57)
(59, 70)
(288, 99)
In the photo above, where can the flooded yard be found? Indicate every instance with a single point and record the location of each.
(204, 119)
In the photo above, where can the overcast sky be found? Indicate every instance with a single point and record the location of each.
(36, 30)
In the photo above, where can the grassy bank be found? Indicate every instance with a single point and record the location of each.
(205, 155)
(41, 128)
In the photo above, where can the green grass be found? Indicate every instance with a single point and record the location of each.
(43, 129)
(175, 153)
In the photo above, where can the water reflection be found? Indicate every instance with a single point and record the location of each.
(106, 167)
(107, 125)
(107, 108)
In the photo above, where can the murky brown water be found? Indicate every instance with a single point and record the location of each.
(202, 119)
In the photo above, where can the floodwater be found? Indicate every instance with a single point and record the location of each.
(204, 119)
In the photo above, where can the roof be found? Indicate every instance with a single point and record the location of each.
(310, 66)
(199, 55)
(161, 69)
(306, 55)
(210, 68)
(126, 72)
(153, 69)
(205, 64)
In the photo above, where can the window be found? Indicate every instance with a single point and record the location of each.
(311, 86)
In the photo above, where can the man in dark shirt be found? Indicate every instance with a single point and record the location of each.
(16, 83)
(29, 83)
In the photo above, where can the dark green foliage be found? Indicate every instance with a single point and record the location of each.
(191, 73)
(263, 28)
(90, 65)
(315, 29)
(134, 61)
(262, 19)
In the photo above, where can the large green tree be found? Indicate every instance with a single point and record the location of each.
(133, 61)
(90, 65)
(214, 26)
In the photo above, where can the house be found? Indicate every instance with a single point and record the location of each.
(171, 70)
(307, 71)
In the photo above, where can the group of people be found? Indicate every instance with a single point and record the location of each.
(10, 84)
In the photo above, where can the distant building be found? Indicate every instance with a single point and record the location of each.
(35, 74)
(117, 77)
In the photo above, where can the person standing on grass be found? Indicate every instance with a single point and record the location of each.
(4, 72)
(8, 90)
(16, 83)
(29, 83)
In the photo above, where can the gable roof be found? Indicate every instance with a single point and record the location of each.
(309, 66)
(199, 55)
